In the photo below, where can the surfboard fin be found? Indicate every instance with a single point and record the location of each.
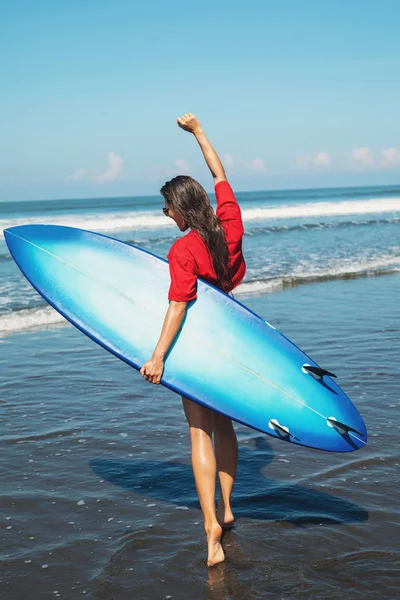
(281, 430)
(317, 372)
(342, 426)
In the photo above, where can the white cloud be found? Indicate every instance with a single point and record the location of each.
(390, 157)
(362, 158)
(257, 165)
(303, 161)
(182, 165)
(322, 159)
(114, 171)
(79, 174)
(228, 160)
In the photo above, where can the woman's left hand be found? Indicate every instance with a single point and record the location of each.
(152, 370)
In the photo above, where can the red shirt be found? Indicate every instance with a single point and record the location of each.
(189, 257)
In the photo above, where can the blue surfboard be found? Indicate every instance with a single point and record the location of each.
(225, 356)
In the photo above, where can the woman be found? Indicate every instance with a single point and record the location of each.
(211, 250)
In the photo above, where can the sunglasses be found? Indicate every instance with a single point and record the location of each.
(165, 210)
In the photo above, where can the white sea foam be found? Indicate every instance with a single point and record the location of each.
(339, 270)
(132, 220)
(97, 222)
(259, 286)
(29, 318)
(323, 209)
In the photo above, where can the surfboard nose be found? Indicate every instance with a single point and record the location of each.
(19, 240)
(13, 237)
(28, 232)
(17, 230)
(19, 233)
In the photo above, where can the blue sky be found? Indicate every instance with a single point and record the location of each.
(291, 94)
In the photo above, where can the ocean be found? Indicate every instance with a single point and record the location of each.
(97, 495)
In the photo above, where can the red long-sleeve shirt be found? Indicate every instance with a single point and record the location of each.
(189, 257)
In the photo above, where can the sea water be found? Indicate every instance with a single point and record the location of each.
(97, 495)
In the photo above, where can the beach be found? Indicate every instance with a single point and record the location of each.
(97, 495)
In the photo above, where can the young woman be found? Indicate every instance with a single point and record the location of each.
(211, 250)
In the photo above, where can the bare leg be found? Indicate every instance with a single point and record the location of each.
(226, 452)
(200, 421)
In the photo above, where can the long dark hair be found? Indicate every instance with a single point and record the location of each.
(185, 195)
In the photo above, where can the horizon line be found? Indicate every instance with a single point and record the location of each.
(288, 189)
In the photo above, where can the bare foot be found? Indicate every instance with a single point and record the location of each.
(215, 551)
(224, 515)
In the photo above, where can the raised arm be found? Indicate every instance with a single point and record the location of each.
(189, 123)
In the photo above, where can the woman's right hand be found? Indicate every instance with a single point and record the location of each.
(190, 123)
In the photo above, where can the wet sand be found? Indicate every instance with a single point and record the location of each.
(97, 495)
